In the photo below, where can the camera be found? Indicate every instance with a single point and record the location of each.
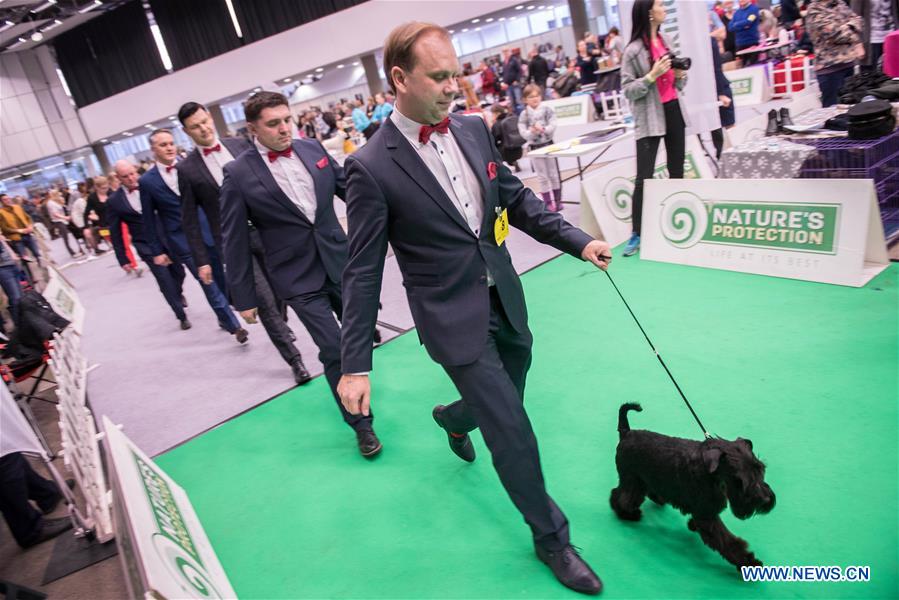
(682, 63)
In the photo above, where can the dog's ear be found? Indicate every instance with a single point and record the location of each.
(711, 457)
(747, 442)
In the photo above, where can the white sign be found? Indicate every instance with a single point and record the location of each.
(173, 552)
(606, 196)
(64, 299)
(749, 85)
(825, 230)
(574, 110)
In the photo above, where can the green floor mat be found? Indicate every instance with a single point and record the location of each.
(807, 371)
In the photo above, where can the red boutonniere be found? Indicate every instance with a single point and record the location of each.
(491, 170)
(322, 163)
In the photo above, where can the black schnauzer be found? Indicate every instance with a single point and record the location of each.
(698, 478)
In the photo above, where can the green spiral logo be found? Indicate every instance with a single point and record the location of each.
(619, 195)
(684, 219)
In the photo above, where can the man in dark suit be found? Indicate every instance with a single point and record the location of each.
(160, 199)
(200, 178)
(286, 189)
(441, 196)
(123, 206)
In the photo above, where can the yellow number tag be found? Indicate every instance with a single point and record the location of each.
(501, 227)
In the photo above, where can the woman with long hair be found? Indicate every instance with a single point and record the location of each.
(651, 86)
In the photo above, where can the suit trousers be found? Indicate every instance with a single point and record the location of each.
(18, 484)
(170, 280)
(319, 312)
(269, 308)
(214, 294)
(492, 390)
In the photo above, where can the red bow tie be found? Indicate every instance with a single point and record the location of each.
(424, 134)
(169, 168)
(273, 156)
(208, 151)
(131, 189)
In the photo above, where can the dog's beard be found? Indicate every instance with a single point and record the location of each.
(745, 506)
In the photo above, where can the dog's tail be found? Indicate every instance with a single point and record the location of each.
(623, 426)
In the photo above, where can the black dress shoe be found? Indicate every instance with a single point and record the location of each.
(241, 335)
(773, 124)
(369, 444)
(49, 529)
(461, 446)
(185, 324)
(300, 374)
(376, 336)
(571, 570)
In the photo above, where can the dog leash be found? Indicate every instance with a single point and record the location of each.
(656, 352)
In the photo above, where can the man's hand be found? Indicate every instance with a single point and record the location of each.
(355, 394)
(248, 315)
(725, 101)
(162, 260)
(599, 253)
(205, 273)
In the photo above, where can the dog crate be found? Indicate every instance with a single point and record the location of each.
(842, 158)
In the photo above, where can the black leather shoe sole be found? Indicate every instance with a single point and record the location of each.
(461, 446)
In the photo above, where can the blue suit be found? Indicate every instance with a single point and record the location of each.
(159, 201)
(169, 278)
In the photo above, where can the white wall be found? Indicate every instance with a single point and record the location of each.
(346, 34)
(37, 119)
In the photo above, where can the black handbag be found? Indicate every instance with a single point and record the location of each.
(870, 120)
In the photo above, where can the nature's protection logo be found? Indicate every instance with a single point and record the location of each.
(684, 219)
(569, 110)
(619, 194)
(687, 220)
(173, 541)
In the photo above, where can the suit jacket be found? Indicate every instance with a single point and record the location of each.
(393, 197)
(199, 190)
(157, 199)
(299, 255)
(118, 211)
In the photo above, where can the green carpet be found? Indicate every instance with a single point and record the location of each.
(807, 371)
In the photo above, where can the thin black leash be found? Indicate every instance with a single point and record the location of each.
(656, 352)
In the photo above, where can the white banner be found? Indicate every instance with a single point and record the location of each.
(574, 110)
(606, 196)
(170, 546)
(686, 28)
(825, 230)
(16, 434)
(64, 299)
(750, 85)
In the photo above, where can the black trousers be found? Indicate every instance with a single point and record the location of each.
(18, 484)
(492, 390)
(648, 148)
(170, 280)
(319, 311)
(269, 308)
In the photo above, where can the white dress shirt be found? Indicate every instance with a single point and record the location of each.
(216, 161)
(445, 161)
(134, 198)
(170, 178)
(294, 180)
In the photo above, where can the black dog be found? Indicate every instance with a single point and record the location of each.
(698, 478)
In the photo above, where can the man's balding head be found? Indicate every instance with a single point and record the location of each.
(126, 172)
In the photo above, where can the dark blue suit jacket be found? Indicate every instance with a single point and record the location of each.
(299, 254)
(118, 211)
(159, 200)
(393, 197)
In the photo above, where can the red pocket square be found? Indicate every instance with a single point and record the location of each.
(322, 163)
(491, 170)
